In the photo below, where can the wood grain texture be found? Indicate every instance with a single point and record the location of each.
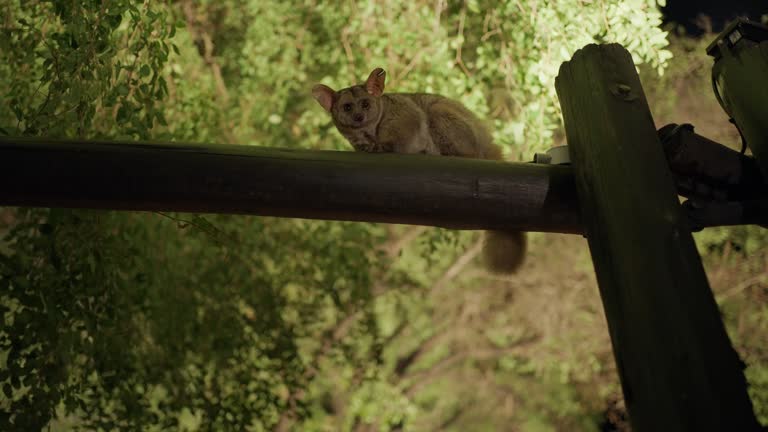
(677, 367)
(409, 189)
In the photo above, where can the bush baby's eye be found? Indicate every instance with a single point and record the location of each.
(366, 104)
(347, 107)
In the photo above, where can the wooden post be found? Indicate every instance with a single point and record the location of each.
(677, 367)
(449, 192)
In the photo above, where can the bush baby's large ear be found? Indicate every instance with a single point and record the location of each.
(324, 96)
(375, 83)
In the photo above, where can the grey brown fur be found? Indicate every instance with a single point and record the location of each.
(419, 123)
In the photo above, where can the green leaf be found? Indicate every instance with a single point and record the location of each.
(114, 20)
(161, 118)
(122, 114)
(122, 89)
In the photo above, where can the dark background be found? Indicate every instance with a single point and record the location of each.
(686, 12)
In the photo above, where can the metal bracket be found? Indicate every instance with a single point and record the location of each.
(555, 156)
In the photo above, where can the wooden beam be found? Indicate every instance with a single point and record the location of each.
(409, 189)
(677, 367)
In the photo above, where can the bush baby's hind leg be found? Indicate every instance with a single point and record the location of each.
(409, 137)
(452, 130)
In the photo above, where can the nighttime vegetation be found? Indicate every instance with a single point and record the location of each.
(173, 321)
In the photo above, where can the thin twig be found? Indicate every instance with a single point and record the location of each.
(460, 37)
(425, 376)
(742, 286)
(458, 265)
(131, 89)
(393, 249)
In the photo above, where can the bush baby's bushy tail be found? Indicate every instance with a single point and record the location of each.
(504, 251)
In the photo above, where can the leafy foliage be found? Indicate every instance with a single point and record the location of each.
(95, 318)
(84, 70)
